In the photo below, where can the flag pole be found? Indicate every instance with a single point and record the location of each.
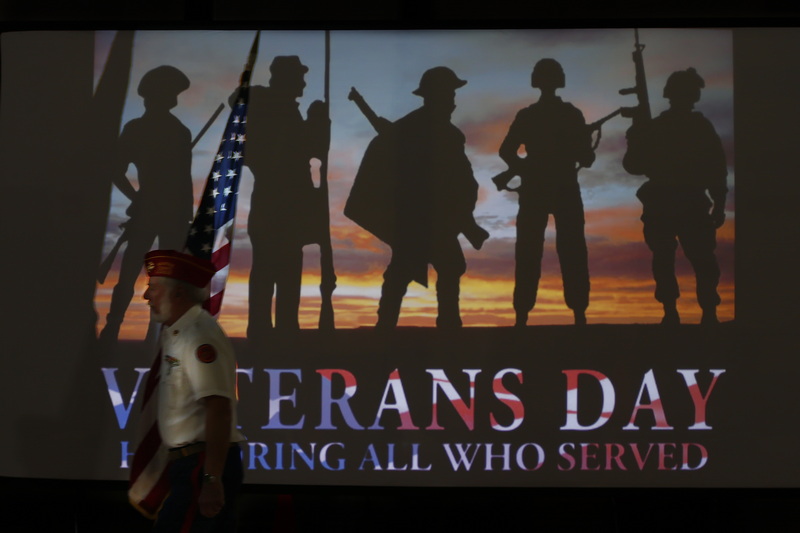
(327, 273)
(211, 233)
(244, 81)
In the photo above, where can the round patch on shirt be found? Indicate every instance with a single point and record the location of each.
(206, 353)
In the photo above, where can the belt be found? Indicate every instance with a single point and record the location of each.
(190, 449)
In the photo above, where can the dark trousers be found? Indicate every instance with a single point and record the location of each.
(534, 211)
(180, 512)
(697, 236)
(277, 270)
(448, 260)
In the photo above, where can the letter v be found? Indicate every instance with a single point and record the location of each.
(120, 409)
(638, 456)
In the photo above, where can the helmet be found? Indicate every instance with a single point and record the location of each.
(547, 73)
(684, 84)
(438, 79)
(161, 80)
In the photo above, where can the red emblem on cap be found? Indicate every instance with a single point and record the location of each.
(206, 353)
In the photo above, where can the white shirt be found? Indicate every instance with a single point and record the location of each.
(197, 361)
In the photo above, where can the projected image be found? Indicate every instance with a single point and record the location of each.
(401, 179)
(443, 258)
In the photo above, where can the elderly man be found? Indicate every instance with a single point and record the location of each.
(196, 397)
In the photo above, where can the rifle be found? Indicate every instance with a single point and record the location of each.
(475, 234)
(640, 113)
(327, 273)
(379, 123)
(502, 180)
(105, 266)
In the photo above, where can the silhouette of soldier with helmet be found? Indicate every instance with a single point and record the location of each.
(160, 147)
(556, 143)
(285, 209)
(682, 156)
(432, 194)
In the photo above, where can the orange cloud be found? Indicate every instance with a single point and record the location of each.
(617, 224)
(485, 134)
(613, 300)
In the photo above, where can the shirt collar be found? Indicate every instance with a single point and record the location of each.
(187, 318)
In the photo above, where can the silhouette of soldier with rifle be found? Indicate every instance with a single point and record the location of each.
(285, 209)
(557, 143)
(415, 190)
(160, 147)
(682, 156)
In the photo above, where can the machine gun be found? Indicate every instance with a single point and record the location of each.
(502, 180)
(640, 113)
(475, 234)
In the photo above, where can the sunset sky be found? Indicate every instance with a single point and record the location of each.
(385, 66)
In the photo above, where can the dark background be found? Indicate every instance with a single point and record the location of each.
(767, 67)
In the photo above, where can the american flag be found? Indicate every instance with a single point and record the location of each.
(148, 484)
(211, 234)
(210, 237)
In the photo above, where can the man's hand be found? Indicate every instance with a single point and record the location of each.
(218, 428)
(211, 499)
(318, 111)
(320, 128)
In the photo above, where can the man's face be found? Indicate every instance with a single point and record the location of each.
(442, 102)
(297, 84)
(291, 84)
(159, 297)
(161, 102)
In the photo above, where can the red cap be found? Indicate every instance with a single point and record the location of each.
(184, 267)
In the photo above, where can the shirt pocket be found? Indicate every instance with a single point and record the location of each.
(174, 385)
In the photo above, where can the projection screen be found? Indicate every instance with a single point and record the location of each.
(621, 401)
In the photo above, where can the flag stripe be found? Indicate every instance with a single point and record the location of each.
(219, 279)
(221, 256)
(214, 303)
(197, 483)
(147, 449)
(157, 494)
(223, 237)
(152, 380)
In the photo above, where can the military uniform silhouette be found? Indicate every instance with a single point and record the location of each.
(682, 156)
(422, 157)
(160, 147)
(556, 141)
(285, 208)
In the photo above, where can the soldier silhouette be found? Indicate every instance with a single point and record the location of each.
(285, 209)
(557, 142)
(682, 156)
(160, 147)
(421, 161)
